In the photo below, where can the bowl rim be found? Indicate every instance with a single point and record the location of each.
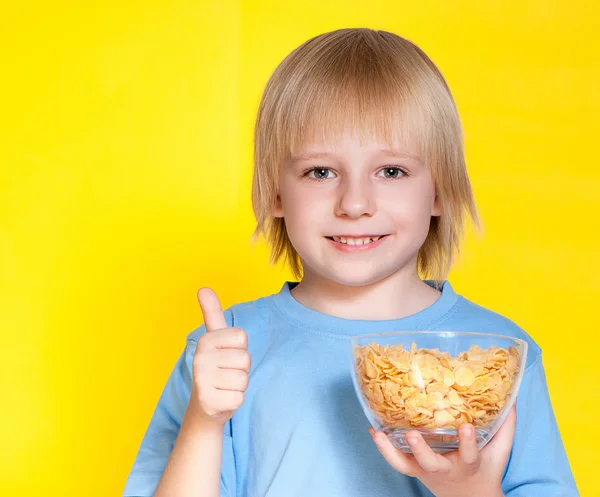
(491, 429)
(520, 341)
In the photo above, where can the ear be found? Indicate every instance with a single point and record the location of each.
(278, 207)
(436, 209)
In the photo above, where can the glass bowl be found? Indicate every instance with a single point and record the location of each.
(434, 381)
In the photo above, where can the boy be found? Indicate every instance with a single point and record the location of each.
(360, 184)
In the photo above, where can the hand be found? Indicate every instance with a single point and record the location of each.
(464, 472)
(221, 364)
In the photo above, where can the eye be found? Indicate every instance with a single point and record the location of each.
(391, 172)
(320, 173)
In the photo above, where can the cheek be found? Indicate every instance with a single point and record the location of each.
(302, 201)
(299, 221)
(410, 212)
(299, 215)
(410, 204)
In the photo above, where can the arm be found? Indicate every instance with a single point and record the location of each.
(538, 465)
(194, 467)
(188, 448)
(174, 432)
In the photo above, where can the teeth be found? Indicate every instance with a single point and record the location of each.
(355, 241)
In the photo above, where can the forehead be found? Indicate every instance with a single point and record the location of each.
(351, 144)
(342, 128)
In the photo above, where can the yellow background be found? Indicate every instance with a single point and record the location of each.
(125, 151)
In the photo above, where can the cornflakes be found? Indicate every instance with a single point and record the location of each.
(431, 389)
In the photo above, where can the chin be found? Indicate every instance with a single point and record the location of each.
(357, 277)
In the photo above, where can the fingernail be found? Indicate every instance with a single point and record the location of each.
(467, 431)
(412, 440)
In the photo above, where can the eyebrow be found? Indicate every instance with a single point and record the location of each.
(388, 152)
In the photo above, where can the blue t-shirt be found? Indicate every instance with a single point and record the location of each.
(301, 431)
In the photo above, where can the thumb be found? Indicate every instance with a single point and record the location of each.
(214, 319)
(501, 443)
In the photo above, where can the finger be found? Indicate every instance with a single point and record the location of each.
(214, 319)
(403, 463)
(233, 358)
(228, 338)
(231, 379)
(468, 452)
(501, 443)
(424, 455)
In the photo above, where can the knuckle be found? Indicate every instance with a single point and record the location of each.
(244, 381)
(471, 466)
(242, 360)
(240, 379)
(238, 399)
(241, 336)
(247, 361)
(435, 468)
(207, 342)
(200, 345)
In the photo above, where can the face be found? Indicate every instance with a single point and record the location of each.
(356, 213)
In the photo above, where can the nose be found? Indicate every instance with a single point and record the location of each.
(355, 199)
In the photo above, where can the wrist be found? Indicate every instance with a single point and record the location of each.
(478, 491)
(194, 421)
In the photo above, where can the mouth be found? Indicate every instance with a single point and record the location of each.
(356, 240)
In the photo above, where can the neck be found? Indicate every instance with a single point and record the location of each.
(396, 296)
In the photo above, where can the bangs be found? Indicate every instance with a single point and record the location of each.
(356, 90)
(363, 116)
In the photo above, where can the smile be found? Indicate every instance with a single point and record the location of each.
(354, 240)
(360, 243)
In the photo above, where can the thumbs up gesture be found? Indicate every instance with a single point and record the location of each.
(221, 363)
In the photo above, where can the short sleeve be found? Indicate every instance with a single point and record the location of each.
(538, 465)
(162, 432)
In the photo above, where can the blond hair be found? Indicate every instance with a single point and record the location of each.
(382, 85)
